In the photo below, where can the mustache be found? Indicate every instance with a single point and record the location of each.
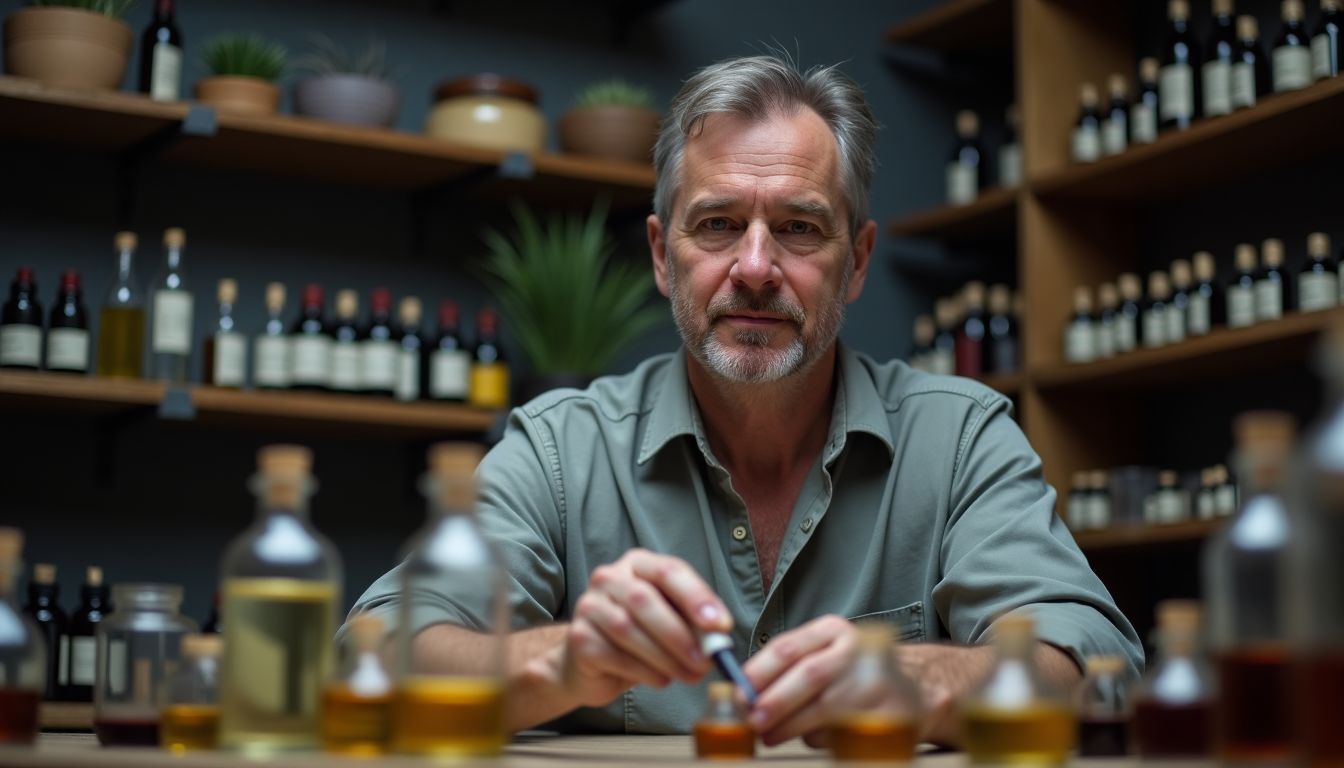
(767, 303)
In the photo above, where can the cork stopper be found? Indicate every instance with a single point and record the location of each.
(1179, 616)
(1271, 253)
(1248, 28)
(204, 646)
(721, 690)
(947, 312)
(924, 330)
(1013, 116)
(1099, 479)
(125, 241)
(1292, 11)
(410, 311)
(1223, 8)
(1168, 478)
(1244, 256)
(1206, 478)
(874, 636)
(1180, 274)
(1107, 296)
(1159, 286)
(347, 304)
(1079, 480)
(1265, 431)
(44, 573)
(1014, 632)
(1104, 665)
(174, 238)
(1218, 473)
(973, 295)
(1204, 269)
(275, 297)
(93, 576)
(1178, 10)
(968, 124)
(1130, 287)
(366, 632)
(1087, 95)
(1000, 299)
(288, 460)
(1149, 68)
(452, 469)
(11, 545)
(1082, 300)
(1117, 86)
(1318, 246)
(227, 292)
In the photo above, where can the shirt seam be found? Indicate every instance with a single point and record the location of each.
(556, 476)
(964, 443)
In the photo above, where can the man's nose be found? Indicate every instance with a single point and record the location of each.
(755, 266)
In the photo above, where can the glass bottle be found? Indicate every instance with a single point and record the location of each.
(1143, 112)
(1205, 308)
(943, 359)
(190, 719)
(1171, 501)
(1178, 308)
(345, 345)
(1004, 345)
(442, 714)
(1173, 705)
(270, 349)
(310, 343)
(1205, 508)
(357, 706)
(922, 343)
(1291, 59)
(1085, 146)
(1080, 338)
(1115, 123)
(449, 361)
(68, 330)
(1243, 567)
(411, 354)
(1178, 101)
(1155, 310)
(722, 732)
(173, 314)
(82, 662)
(1325, 43)
(225, 350)
(1104, 328)
(379, 352)
(281, 585)
(21, 324)
(1128, 315)
(878, 711)
(161, 55)
(23, 658)
(1010, 151)
(1078, 513)
(1100, 700)
(1318, 282)
(1225, 493)
(138, 646)
(1014, 717)
(970, 343)
(1272, 289)
(44, 606)
(121, 319)
(1218, 52)
(1099, 502)
(965, 172)
(1250, 68)
(489, 370)
(1241, 311)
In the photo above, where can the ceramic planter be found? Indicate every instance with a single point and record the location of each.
(351, 99)
(239, 95)
(614, 133)
(67, 47)
(490, 111)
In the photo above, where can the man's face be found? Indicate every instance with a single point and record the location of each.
(757, 258)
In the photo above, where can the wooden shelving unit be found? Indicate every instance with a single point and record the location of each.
(1009, 384)
(992, 217)
(1124, 537)
(958, 26)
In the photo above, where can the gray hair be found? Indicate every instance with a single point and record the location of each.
(756, 87)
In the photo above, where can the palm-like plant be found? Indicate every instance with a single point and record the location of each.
(245, 55)
(615, 93)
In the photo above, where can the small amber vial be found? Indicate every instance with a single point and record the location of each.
(878, 707)
(357, 708)
(190, 717)
(722, 732)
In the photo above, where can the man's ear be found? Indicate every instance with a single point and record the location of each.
(864, 242)
(658, 252)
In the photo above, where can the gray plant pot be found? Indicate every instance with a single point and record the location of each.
(352, 99)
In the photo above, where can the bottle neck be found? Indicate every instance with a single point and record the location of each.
(173, 259)
(282, 496)
(225, 316)
(124, 266)
(163, 10)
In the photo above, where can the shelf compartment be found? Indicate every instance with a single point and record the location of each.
(1137, 536)
(992, 217)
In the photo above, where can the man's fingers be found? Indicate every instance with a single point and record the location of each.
(594, 654)
(783, 706)
(685, 590)
(811, 718)
(662, 624)
(788, 649)
(622, 631)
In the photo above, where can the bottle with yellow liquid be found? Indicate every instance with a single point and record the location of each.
(722, 732)
(280, 583)
(121, 319)
(357, 707)
(1014, 717)
(190, 718)
(879, 709)
(437, 712)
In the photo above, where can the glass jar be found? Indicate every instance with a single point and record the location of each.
(489, 111)
(878, 708)
(191, 696)
(23, 658)
(1103, 720)
(138, 648)
(722, 732)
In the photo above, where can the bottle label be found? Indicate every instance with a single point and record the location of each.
(1099, 510)
(1144, 129)
(1317, 291)
(1171, 506)
(1205, 505)
(1080, 343)
(83, 655)
(312, 360)
(1240, 306)
(172, 322)
(116, 667)
(165, 82)
(1199, 318)
(1322, 58)
(1217, 88)
(1126, 334)
(448, 378)
(1175, 325)
(1077, 512)
(1154, 328)
(1292, 67)
(1086, 144)
(68, 349)
(408, 375)
(1268, 300)
(489, 385)
(379, 364)
(962, 184)
(1010, 165)
(230, 360)
(1243, 85)
(345, 366)
(1104, 343)
(270, 362)
(1114, 135)
(21, 345)
(63, 662)
(1225, 499)
(1176, 92)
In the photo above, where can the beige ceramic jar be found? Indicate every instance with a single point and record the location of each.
(488, 111)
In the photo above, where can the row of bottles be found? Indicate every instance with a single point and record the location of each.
(68, 637)
(967, 171)
(970, 338)
(1099, 499)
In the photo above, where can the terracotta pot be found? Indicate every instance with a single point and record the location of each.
(67, 47)
(615, 133)
(239, 95)
(351, 99)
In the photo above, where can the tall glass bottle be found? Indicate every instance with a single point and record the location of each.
(970, 346)
(281, 583)
(449, 361)
(1085, 146)
(489, 369)
(81, 663)
(225, 350)
(1291, 59)
(1244, 566)
(1325, 43)
(1128, 315)
(1155, 310)
(1178, 308)
(379, 353)
(121, 319)
(173, 313)
(1143, 112)
(1115, 123)
(21, 324)
(1010, 151)
(878, 708)
(1004, 345)
(1108, 301)
(1173, 706)
(1080, 337)
(1205, 308)
(68, 329)
(1251, 79)
(357, 705)
(310, 344)
(161, 55)
(437, 713)
(1218, 52)
(1241, 291)
(965, 171)
(270, 349)
(1273, 295)
(44, 606)
(1178, 100)
(411, 357)
(943, 359)
(23, 657)
(1318, 281)
(345, 343)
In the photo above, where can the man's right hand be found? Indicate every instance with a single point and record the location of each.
(638, 624)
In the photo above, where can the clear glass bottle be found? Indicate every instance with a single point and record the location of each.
(174, 313)
(1101, 704)
(1015, 717)
(878, 710)
(722, 732)
(357, 705)
(1080, 337)
(437, 713)
(1173, 705)
(190, 719)
(138, 645)
(121, 319)
(23, 658)
(281, 585)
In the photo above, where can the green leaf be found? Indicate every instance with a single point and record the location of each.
(115, 9)
(245, 55)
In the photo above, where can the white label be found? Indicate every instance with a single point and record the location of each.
(20, 345)
(1268, 300)
(942, 362)
(270, 361)
(1154, 328)
(1199, 317)
(1292, 68)
(1205, 508)
(1217, 88)
(379, 365)
(1077, 512)
(1175, 324)
(1080, 342)
(166, 76)
(1010, 165)
(1176, 92)
(63, 662)
(1317, 291)
(961, 184)
(172, 322)
(1321, 59)
(345, 366)
(230, 360)
(68, 349)
(116, 667)
(1171, 506)
(1243, 85)
(312, 360)
(1225, 499)
(1126, 333)
(1144, 129)
(408, 375)
(1240, 306)
(83, 658)
(1105, 339)
(1086, 144)
(448, 371)
(1099, 510)
(1114, 135)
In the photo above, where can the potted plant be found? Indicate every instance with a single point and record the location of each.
(571, 307)
(244, 70)
(612, 119)
(71, 43)
(346, 88)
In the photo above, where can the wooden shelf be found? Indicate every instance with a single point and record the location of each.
(1009, 384)
(65, 716)
(1139, 536)
(1285, 128)
(1224, 350)
(959, 26)
(287, 145)
(992, 217)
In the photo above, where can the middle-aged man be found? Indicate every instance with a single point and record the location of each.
(764, 480)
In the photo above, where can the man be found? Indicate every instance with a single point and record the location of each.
(764, 481)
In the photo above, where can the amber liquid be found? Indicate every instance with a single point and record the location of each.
(121, 342)
(1321, 711)
(1252, 721)
(1040, 734)
(127, 733)
(874, 737)
(354, 724)
(724, 740)
(1103, 736)
(189, 726)
(1172, 730)
(449, 717)
(18, 715)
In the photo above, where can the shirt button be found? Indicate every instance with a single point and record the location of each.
(807, 525)
(765, 638)
(740, 532)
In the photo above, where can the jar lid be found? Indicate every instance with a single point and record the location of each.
(486, 84)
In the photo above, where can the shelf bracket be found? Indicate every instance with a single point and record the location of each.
(176, 404)
(200, 121)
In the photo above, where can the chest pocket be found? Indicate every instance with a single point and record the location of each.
(908, 620)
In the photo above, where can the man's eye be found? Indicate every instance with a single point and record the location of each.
(798, 228)
(716, 224)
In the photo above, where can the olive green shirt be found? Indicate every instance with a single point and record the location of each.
(926, 509)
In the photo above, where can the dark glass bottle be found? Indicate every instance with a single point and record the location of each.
(1010, 151)
(1086, 144)
(922, 347)
(1218, 52)
(943, 360)
(1178, 310)
(1250, 68)
(68, 333)
(1241, 290)
(1318, 281)
(489, 370)
(1273, 289)
(1080, 336)
(1115, 124)
(21, 324)
(345, 375)
(966, 173)
(970, 344)
(212, 625)
(379, 350)
(1206, 302)
(161, 55)
(410, 375)
(1143, 112)
(94, 604)
(1177, 83)
(1325, 43)
(1153, 331)
(310, 343)
(1004, 346)
(44, 605)
(1291, 60)
(1128, 315)
(449, 371)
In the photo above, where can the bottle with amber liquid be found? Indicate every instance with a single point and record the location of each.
(357, 706)
(44, 606)
(190, 718)
(435, 713)
(489, 371)
(22, 651)
(1103, 720)
(970, 345)
(722, 732)
(121, 319)
(878, 708)
(68, 330)
(81, 662)
(1173, 706)
(1244, 567)
(1014, 717)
